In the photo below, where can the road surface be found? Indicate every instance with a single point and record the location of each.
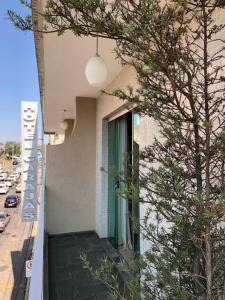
(15, 249)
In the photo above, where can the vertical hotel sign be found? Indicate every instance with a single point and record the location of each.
(29, 160)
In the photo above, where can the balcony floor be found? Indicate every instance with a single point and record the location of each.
(67, 278)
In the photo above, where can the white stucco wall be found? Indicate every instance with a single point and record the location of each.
(77, 188)
(148, 130)
(70, 178)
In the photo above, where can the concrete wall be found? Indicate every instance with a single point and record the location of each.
(77, 188)
(71, 171)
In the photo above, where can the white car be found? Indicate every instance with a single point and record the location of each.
(9, 182)
(18, 170)
(4, 220)
(4, 172)
(3, 176)
(4, 188)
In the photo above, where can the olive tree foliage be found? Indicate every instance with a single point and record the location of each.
(177, 50)
(12, 148)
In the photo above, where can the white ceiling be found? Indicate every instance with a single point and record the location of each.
(65, 58)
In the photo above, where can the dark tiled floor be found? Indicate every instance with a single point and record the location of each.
(67, 278)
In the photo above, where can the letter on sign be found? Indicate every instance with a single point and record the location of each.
(29, 161)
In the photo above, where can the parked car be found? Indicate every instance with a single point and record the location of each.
(18, 171)
(3, 176)
(14, 177)
(18, 188)
(4, 188)
(4, 172)
(9, 182)
(4, 220)
(16, 174)
(12, 201)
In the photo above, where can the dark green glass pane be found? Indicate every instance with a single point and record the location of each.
(112, 164)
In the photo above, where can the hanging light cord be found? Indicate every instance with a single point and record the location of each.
(97, 46)
(64, 111)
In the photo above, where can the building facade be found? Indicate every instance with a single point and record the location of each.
(102, 130)
(103, 135)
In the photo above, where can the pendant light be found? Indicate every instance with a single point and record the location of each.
(96, 70)
(64, 124)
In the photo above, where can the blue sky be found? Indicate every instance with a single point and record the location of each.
(18, 72)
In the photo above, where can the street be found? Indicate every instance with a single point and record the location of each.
(15, 249)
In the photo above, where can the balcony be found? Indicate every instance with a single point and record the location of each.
(67, 278)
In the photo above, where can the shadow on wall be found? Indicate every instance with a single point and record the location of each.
(18, 265)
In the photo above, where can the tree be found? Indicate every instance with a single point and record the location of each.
(11, 148)
(177, 50)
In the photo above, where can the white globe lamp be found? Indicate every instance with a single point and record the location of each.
(96, 70)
